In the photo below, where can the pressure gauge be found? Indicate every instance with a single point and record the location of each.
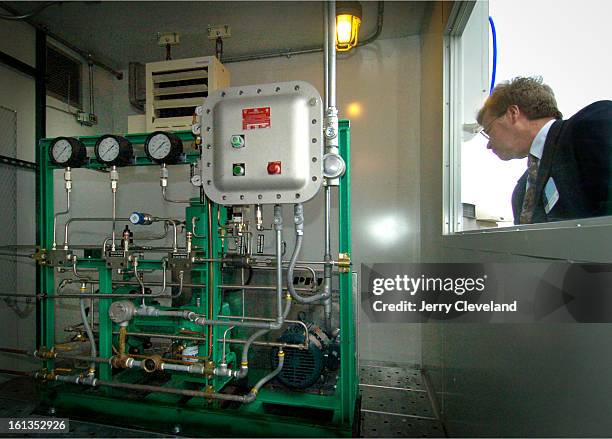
(113, 150)
(163, 147)
(67, 152)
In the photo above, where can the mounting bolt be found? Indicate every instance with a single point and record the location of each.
(176, 429)
(52, 411)
(313, 102)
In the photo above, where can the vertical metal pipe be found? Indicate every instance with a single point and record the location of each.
(114, 219)
(326, 53)
(91, 88)
(327, 213)
(331, 44)
(41, 125)
(327, 269)
(278, 226)
(114, 178)
(211, 275)
(330, 146)
(58, 214)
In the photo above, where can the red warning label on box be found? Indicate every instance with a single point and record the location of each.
(253, 118)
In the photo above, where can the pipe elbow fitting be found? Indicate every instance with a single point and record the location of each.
(277, 324)
(251, 396)
(244, 370)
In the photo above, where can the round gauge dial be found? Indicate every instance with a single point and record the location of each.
(67, 152)
(163, 147)
(113, 150)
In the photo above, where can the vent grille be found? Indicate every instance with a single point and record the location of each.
(64, 77)
(176, 93)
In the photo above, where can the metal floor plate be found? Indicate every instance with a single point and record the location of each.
(395, 403)
(380, 425)
(391, 377)
(400, 402)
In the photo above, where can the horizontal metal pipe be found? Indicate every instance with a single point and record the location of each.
(85, 54)
(256, 287)
(83, 358)
(315, 49)
(270, 261)
(16, 255)
(15, 351)
(16, 372)
(93, 219)
(33, 296)
(168, 336)
(264, 343)
(183, 392)
(298, 268)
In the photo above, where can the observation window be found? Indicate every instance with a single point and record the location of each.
(563, 42)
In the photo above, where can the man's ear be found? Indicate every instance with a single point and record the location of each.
(514, 112)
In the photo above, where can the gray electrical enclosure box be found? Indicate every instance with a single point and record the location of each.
(262, 144)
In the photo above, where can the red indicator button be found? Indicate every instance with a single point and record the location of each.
(274, 168)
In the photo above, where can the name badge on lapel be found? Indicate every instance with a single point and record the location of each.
(550, 196)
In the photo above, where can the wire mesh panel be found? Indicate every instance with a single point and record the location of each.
(8, 200)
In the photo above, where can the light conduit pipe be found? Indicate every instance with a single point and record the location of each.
(331, 147)
(290, 53)
(298, 218)
(90, 336)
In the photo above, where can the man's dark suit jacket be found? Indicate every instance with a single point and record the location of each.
(576, 156)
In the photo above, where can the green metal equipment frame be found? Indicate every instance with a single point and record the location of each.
(274, 413)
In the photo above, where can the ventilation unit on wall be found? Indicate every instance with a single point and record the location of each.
(64, 77)
(176, 87)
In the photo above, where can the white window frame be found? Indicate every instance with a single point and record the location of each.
(451, 184)
(453, 105)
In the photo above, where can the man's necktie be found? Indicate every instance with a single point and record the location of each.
(529, 200)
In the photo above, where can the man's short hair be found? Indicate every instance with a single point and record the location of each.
(535, 99)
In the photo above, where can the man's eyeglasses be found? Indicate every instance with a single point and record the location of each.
(485, 130)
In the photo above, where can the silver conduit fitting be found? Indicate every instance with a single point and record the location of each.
(90, 336)
(298, 218)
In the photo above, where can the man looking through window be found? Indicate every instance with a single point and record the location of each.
(568, 160)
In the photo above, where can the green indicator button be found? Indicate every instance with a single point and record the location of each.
(237, 141)
(238, 169)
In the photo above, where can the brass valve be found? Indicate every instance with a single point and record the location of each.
(40, 256)
(120, 361)
(344, 262)
(45, 375)
(45, 354)
(209, 368)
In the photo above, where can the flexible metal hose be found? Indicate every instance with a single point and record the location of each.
(90, 336)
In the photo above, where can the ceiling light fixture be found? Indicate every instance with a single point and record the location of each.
(348, 20)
